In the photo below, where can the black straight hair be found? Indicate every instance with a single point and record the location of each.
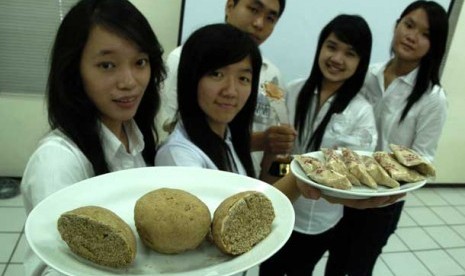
(430, 64)
(207, 49)
(352, 30)
(69, 108)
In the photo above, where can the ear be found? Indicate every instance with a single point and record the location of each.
(228, 8)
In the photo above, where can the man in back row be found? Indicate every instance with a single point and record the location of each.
(257, 18)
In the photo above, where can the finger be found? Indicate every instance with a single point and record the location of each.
(309, 191)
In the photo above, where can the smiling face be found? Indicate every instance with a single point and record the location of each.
(338, 61)
(255, 17)
(411, 37)
(115, 74)
(223, 93)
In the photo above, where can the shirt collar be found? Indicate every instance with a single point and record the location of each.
(112, 144)
(408, 79)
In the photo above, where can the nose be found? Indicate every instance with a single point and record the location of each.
(337, 57)
(126, 79)
(230, 87)
(413, 35)
(259, 22)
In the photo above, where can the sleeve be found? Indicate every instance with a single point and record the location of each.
(430, 124)
(169, 98)
(51, 167)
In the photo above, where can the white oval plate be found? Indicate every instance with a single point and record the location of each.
(118, 191)
(356, 192)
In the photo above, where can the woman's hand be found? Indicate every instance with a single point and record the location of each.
(308, 191)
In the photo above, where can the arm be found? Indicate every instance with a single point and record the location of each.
(293, 188)
(430, 123)
(52, 167)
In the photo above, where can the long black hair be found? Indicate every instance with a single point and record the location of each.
(207, 49)
(352, 30)
(69, 108)
(430, 64)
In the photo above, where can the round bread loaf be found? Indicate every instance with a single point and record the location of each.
(171, 221)
(241, 221)
(98, 235)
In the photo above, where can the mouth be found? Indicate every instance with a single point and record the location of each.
(125, 100)
(407, 46)
(226, 105)
(333, 68)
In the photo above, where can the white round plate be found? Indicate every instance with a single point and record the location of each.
(356, 192)
(118, 191)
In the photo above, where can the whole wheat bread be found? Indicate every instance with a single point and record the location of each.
(241, 221)
(98, 235)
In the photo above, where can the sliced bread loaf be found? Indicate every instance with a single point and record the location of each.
(241, 221)
(98, 235)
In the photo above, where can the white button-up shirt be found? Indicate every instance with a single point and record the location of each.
(354, 128)
(58, 162)
(424, 122)
(178, 150)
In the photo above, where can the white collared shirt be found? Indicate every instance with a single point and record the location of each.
(263, 119)
(58, 162)
(424, 122)
(178, 150)
(353, 128)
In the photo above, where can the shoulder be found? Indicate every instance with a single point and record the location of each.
(173, 57)
(359, 105)
(296, 85)
(58, 149)
(435, 98)
(270, 72)
(176, 52)
(178, 142)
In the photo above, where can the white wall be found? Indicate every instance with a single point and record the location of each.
(293, 43)
(23, 118)
(450, 159)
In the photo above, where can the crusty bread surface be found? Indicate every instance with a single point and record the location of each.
(171, 221)
(241, 221)
(98, 235)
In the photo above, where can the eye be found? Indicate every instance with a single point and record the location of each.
(142, 62)
(271, 18)
(245, 79)
(351, 54)
(215, 74)
(331, 46)
(408, 24)
(106, 65)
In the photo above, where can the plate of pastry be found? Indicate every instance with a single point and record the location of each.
(353, 174)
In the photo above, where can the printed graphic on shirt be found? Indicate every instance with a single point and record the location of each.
(264, 116)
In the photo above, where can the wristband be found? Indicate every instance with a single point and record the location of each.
(279, 169)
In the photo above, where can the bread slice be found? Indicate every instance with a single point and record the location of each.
(241, 221)
(98, 235)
